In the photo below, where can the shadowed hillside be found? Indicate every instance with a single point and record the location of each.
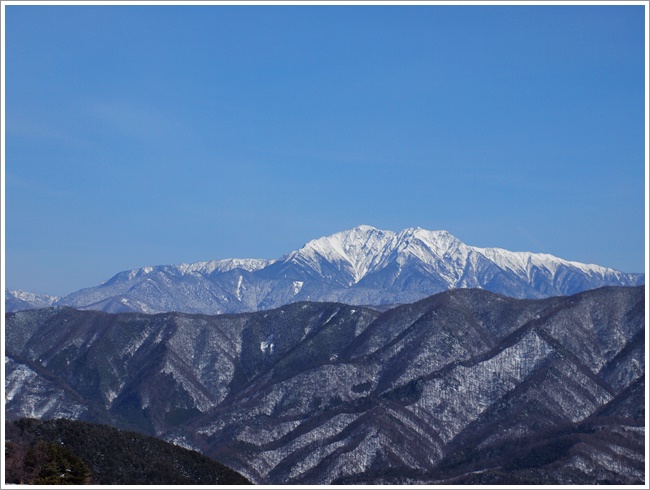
(68, 452)
(464, 386)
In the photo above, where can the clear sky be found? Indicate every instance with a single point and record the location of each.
(147, 135)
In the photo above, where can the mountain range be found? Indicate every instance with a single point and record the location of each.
(465, 386)
(360, 266)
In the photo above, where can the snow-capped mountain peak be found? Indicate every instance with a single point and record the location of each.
(363, 265)
(427, 245)
(354, 252)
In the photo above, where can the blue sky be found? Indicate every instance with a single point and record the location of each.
(146, 135)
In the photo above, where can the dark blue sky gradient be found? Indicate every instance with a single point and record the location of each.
(146, 135)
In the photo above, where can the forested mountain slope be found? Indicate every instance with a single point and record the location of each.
(71, 452)
(463, 386)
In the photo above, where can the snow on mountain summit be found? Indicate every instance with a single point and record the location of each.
(347, 257)
(24, 300)
(355, 251)
(225, 265)
(363, 250)
(524, 262)
(362, 265)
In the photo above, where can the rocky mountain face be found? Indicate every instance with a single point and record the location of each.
(361, 266)
(466, 386)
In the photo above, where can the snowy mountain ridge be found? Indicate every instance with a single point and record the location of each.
(366, 249)
(358, 250)
(22, 300)
(199, 268)
(362, 266)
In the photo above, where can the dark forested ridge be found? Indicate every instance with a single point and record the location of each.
(69, 452)
(462, 387)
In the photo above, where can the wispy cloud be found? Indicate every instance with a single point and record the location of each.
(134, 120)
(40, 131)
(33, 187)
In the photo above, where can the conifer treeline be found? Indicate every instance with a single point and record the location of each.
(67, 452)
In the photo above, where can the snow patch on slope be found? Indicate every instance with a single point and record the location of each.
(267, 345)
